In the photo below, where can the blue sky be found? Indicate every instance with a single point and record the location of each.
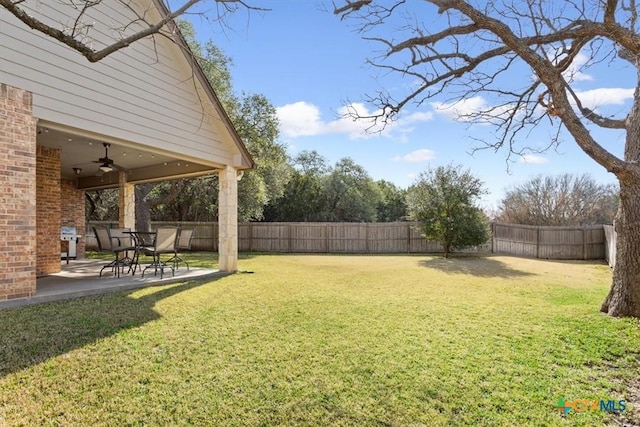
(311, 65)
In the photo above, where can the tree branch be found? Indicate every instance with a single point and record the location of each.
(443, 60)
(93, 55)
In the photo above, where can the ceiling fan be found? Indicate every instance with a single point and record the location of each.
(107, 164)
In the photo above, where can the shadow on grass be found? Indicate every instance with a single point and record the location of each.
(202, 259)
(473, 265)
(32, 334)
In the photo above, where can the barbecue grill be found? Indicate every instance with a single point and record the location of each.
(68, 234)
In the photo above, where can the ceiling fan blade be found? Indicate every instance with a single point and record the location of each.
(104, 160)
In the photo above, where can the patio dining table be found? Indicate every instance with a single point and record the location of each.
(141, 240)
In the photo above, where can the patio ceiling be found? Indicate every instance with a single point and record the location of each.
(141, 164)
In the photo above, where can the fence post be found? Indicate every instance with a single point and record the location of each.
(537, 242)
(366, 237)
(326, 237)
(584, 243)
(493, 235)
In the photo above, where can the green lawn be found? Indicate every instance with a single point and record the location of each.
(329, 340)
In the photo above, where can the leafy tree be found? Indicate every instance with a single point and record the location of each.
(256, 121)
(312, 162)
(344, 192)
(303, 194)
(393, 205)
(350, 194)
(523, 60)
(192, 199)
(443, 202)
(559, 200)
(101, 205)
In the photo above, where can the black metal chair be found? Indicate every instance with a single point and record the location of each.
(122, 237)
(116, 246)
(183, 244)
(163, 243)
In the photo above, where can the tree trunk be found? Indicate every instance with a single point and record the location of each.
(624, 297)
(143, 212)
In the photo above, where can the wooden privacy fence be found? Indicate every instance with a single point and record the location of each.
(590, 242)
(548, 242)
(305, 237)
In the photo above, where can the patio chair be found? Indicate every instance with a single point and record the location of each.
(116, 246)
(183, 244)
(121, 237)
(164, 243)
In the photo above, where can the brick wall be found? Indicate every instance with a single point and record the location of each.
(17, 194)
(48, 197)
(72, 212)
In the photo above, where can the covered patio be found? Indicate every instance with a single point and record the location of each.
(144, 114)
(80, 278)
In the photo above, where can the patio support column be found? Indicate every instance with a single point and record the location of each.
(126, 203)
(228, 220)
(18, 194)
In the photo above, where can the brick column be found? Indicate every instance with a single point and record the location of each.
(228, 220)
(48, 211)
(17, 194)
(126, 203)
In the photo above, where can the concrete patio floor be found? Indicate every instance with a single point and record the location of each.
(81, 278)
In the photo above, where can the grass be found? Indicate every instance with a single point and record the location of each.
(328, 340)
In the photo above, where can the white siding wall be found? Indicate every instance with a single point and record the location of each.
(145, 93)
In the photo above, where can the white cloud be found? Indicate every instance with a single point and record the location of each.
(604, 96)
(416, 117)
(471, 109)
(573, 73)
(304, 119)
(533, 159)
(299, 119)
(459, 109)
(422, 155)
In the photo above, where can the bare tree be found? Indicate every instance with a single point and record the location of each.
(525, 57)
(559, 200)
(74, 24)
